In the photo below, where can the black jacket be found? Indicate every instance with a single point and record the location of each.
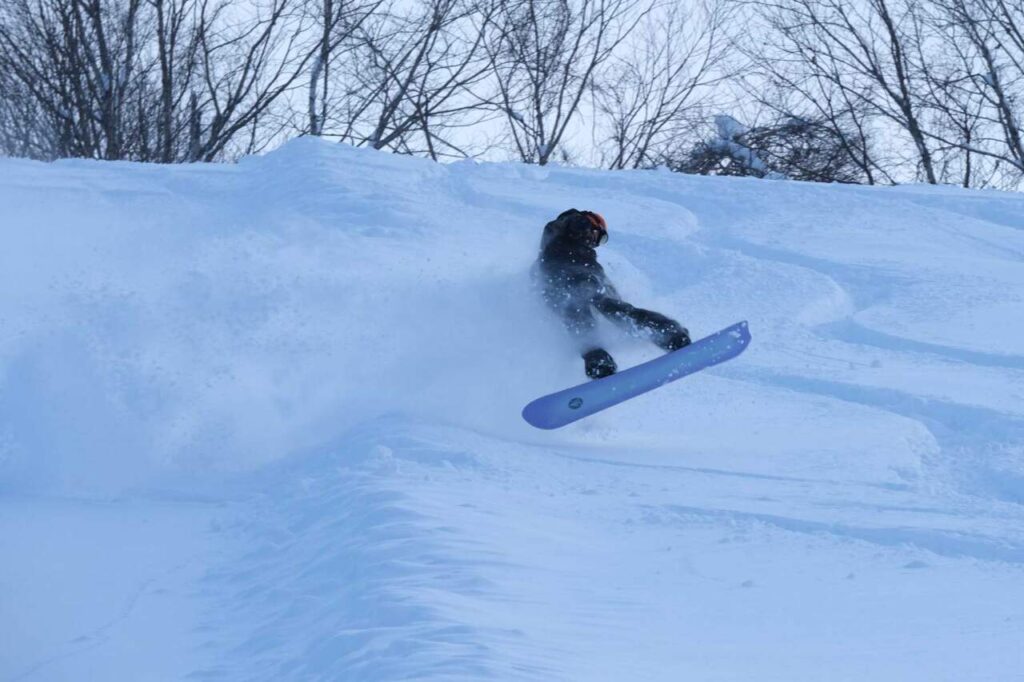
(574, 284)
(567, 266)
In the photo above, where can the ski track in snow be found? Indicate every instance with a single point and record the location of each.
(262, 422)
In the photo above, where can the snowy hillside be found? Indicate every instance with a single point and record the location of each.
(261, 422)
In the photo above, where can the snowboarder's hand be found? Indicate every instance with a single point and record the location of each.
(599, 364)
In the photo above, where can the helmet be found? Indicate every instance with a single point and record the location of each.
(599, 223)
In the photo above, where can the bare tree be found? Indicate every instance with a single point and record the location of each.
(875, 91)
(245, 67)
(976, 80)
(177, 61)
(785, 88)
(1002, 27)
(654, 93)
(20, 123)
(338, 22)
(544, 55)
(414, 80)
(859, 55)
(77, 66)
(149, 80)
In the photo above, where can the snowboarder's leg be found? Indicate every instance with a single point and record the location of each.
(573, 307)
(663, 331)
(579, 321)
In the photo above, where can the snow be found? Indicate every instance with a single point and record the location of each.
(261, 422)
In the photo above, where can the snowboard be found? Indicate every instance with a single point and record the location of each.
(572, 404)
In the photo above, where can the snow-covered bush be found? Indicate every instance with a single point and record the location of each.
(793, 148)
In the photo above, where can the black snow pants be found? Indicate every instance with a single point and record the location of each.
(578, 316)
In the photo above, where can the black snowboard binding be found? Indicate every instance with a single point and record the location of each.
(599, 363)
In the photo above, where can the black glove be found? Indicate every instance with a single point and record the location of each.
(599, 364)
(679, 338)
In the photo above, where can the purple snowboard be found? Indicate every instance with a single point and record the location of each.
(564, 407)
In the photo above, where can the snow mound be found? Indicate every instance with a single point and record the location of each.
(267, 415)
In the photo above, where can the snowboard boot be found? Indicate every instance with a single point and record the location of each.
(679, 338)
(599, 363)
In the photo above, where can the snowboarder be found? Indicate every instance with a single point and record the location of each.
(574, 284)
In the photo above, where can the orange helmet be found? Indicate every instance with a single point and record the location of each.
(598, 221)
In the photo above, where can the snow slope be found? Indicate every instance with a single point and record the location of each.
(261, 422)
